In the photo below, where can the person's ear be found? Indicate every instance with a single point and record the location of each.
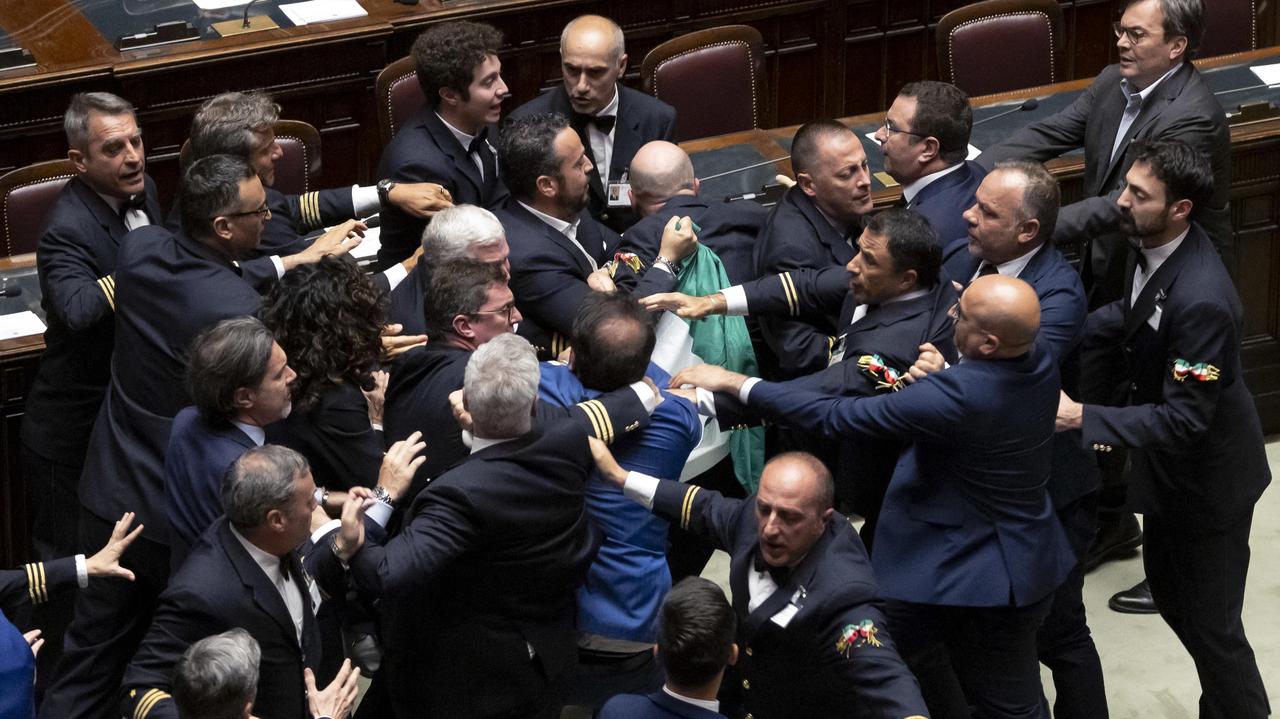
(1181, 210)
(222, 227)
(805, 183)
(1028, 231)
(622, 64)
(826, 515)
(462, 327)
(930, 148)
(547, 186)
(449, 96)
(697, 186)
(78, 159)
(907, 280)
(243, 398)
(276, 520)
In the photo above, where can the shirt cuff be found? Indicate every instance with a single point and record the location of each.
(279, 265)
(82, 571)
(380, 512)
(646, 395)
(324, 529)
(641, 488)
(395, 274)
(376, 427)
(706, 402)
(662, 266)
(364, 200)
(735, 300)
(745, 391)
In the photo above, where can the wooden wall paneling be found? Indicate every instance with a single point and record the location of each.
(798, 66)
(908, 43)
(865, 58)
(1091, 43)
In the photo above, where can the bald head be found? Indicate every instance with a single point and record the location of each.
(998, 318)
(793, 507)
(660, 171)
(592, 57)
(593, 34)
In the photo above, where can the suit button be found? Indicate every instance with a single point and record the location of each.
(746, 684)
(1133, 386)
(749, 716)
(748, 651)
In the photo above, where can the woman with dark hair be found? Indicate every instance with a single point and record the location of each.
(328, 317)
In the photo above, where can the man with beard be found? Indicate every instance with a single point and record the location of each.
(1196, 447)
(559, 252)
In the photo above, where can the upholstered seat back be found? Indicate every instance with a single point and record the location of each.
(298, 169)
(28, 193)
(399, 97)
(1001, 45)
(1231, 26)
(711, 77)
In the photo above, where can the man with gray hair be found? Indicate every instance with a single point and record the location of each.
(76, 262)
(246, 572)
(497, 543)
(243, 125)
(239, 381)
(610, 119)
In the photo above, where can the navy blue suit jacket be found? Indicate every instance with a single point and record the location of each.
(334, 434)
(199, 454)
(76, 261)
(168, 289)
(1196, 440)
(424, 150)
(797, 236)
(658, 705)
(801, 662)
(549, 274)
(34, 583)
(943, 201)
(729, 229)
(641, 119)
(967, 520)
(221, 587)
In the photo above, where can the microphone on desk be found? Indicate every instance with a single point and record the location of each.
(246, 13)
(1244, 89)
(1030, 103)
(7, 291)
(743, 169)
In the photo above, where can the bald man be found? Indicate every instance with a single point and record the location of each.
(968, 548)
(663, 186)
(612, 120)
(811, 631)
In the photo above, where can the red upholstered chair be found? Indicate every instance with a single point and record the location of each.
(714, 78)
(27, 194)
(1001, 45)
(1231, 26)
(298, 170)
(399, 96)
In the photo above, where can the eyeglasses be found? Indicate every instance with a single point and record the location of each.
(1135, 35)
(506, 310)
(889, 128)
(263, 212)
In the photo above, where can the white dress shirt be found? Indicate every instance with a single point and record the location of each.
(601, 143)
(289, 590)
(913, 188)
(1012, 268)
(1155, 257)
(465, 140)
(1134, 102)
(568, 229)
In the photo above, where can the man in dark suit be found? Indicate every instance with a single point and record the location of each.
(245, 572)
(559, 252)
(477, 589)
(1195, 441)
(239, 381)
(970, 598)
(243, 125)
(925, 140)
(76, 263)
(611, 120)
(810, 627)
(663, 186)
(168, 288)
(1010, 227)
(450, 142)
(695, 642)
(814, 226)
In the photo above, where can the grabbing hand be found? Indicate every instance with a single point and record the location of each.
(609, 468)
(710, 378)
(376, 397)
(458, 404)
(420, 199)
(106, 563)
(600, 281)
(338, 240)
(337, 699)
(686, 306)
(350, 537)
(395, 344)
(399, 464)
(35, 641)
(1070, 413)
(678, 239)
(929, 361)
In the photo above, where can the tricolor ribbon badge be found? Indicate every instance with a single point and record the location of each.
(884, 376)
(630, 259)
(1203, 371)
(857, 635)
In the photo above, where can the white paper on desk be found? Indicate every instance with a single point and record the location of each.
(370, 245)
(218, 4)
(20, 324)
(304, 13)
(1269, 74)
(973, 151)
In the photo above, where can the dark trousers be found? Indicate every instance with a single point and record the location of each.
(687, 553)
(1197, 580)
(54, 506)
(1064, 642)
(984, 656)
(111, 617)
(599, 677)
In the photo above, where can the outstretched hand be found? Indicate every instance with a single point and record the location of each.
(395, 344)
(686, 306)
(337, 699)
(400, 463)
(609, 468)
(710, 378)
(106, 563)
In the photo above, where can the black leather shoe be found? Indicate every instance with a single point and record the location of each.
(1115, 540)
(1134, 600)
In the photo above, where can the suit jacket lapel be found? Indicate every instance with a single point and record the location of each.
(1160, 99)
(310, 630)
(626, 136)
(1158, 286)
(265, 594)
(947, 181)
(839, 248)
(108, 217)
(450, 146)
(889, 314)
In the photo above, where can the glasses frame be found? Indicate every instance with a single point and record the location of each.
(263, 212)
(508, 310)
(1122, 31)
(891, 130)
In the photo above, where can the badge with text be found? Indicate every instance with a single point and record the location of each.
(1203, 371)
(857, 635)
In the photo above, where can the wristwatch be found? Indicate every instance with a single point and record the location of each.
(382, 495)
(384, 192)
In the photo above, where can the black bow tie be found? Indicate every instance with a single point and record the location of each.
(479, 141)
(135, 202)
(603, 123)
(780, 575)
(1138, 256)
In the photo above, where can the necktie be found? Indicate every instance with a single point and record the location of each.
(1139, 258)
(987, 269)
(779, 575)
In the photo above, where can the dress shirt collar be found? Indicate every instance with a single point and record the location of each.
(841, 227)
(269, 562)
(1014, 267)
(568, 229)
(256, 433)
(1143, 94)
(905, 296)
(710, 705)
(479, 443)
(463, 138)
(1157, 255)
(611, 110)
(911, 189)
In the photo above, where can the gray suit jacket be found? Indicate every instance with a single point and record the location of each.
(1181, 108)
